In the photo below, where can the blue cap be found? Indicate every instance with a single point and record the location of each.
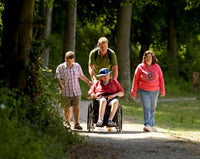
(103, 72)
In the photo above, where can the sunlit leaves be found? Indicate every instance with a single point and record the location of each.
(192, 4)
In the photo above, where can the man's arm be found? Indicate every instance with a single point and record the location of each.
(86, 80)
(92, 73)
(115, 72)
(62, 87)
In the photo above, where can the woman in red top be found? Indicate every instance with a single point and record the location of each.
(148, 81)
(105, 91)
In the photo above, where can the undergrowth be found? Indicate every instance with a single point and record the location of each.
(33, 128)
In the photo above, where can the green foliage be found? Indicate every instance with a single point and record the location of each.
(33, 83)
(56, 54)
(18, 141)
(84, 89)
(145, 2)
(49, 3)
(134, 58)
(33, 128)
(97, 9)
(149, 23)
(58, 17)
(192, 4)
(178, 87)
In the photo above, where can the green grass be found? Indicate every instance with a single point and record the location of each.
(180, 118)
(179, 114)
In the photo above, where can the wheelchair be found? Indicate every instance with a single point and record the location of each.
(93, 113)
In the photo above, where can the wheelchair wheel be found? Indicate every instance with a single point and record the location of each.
(119, 118)
(89, 118)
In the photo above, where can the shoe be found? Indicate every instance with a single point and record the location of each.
(147, 128)
(99, 123)
(67, 124)
(153, 129)
(111, 124)
(77, 126)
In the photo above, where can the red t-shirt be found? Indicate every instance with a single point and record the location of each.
(99, 88)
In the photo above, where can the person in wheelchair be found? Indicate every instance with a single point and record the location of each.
(106, 90)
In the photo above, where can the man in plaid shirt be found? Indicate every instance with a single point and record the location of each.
(68, 74)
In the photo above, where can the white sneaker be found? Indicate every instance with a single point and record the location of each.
(153, 129)
(99, 123)
(147, 128)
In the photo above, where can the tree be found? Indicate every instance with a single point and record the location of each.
(16, 42)
(70, 27)
(122, 46)
(47, 15)
(147, 28)
(172, 39)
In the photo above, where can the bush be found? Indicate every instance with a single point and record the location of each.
(32, 128)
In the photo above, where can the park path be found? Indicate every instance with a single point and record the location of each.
(131, 143)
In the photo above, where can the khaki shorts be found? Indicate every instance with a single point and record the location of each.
(70, 101)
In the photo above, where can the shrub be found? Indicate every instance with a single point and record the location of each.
(32, 128)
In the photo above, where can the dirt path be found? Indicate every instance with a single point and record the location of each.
(131, 143)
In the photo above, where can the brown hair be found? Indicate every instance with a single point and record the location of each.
(154, 59)
(69, 55)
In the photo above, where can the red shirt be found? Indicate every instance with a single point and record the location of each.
(100, 88)
(149, 78)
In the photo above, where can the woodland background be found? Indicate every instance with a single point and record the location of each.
(38, 33)
(35, 34)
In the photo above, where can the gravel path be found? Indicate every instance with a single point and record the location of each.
(131, 143)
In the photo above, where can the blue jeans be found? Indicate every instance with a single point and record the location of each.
(149, 101)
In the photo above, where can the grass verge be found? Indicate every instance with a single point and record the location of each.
(180, 118)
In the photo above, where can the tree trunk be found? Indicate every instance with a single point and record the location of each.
(70, 27)
(144, 47)
(46, 14)
(122, 47)
(16, 41)
(146, 34)
(172, 42)
(147, 30)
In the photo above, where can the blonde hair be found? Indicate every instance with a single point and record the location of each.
(102, 40)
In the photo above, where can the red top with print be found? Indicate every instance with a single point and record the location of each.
(148, 78)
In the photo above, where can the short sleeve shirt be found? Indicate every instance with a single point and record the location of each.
(70, 78)
(102, 62)
(99, 88)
